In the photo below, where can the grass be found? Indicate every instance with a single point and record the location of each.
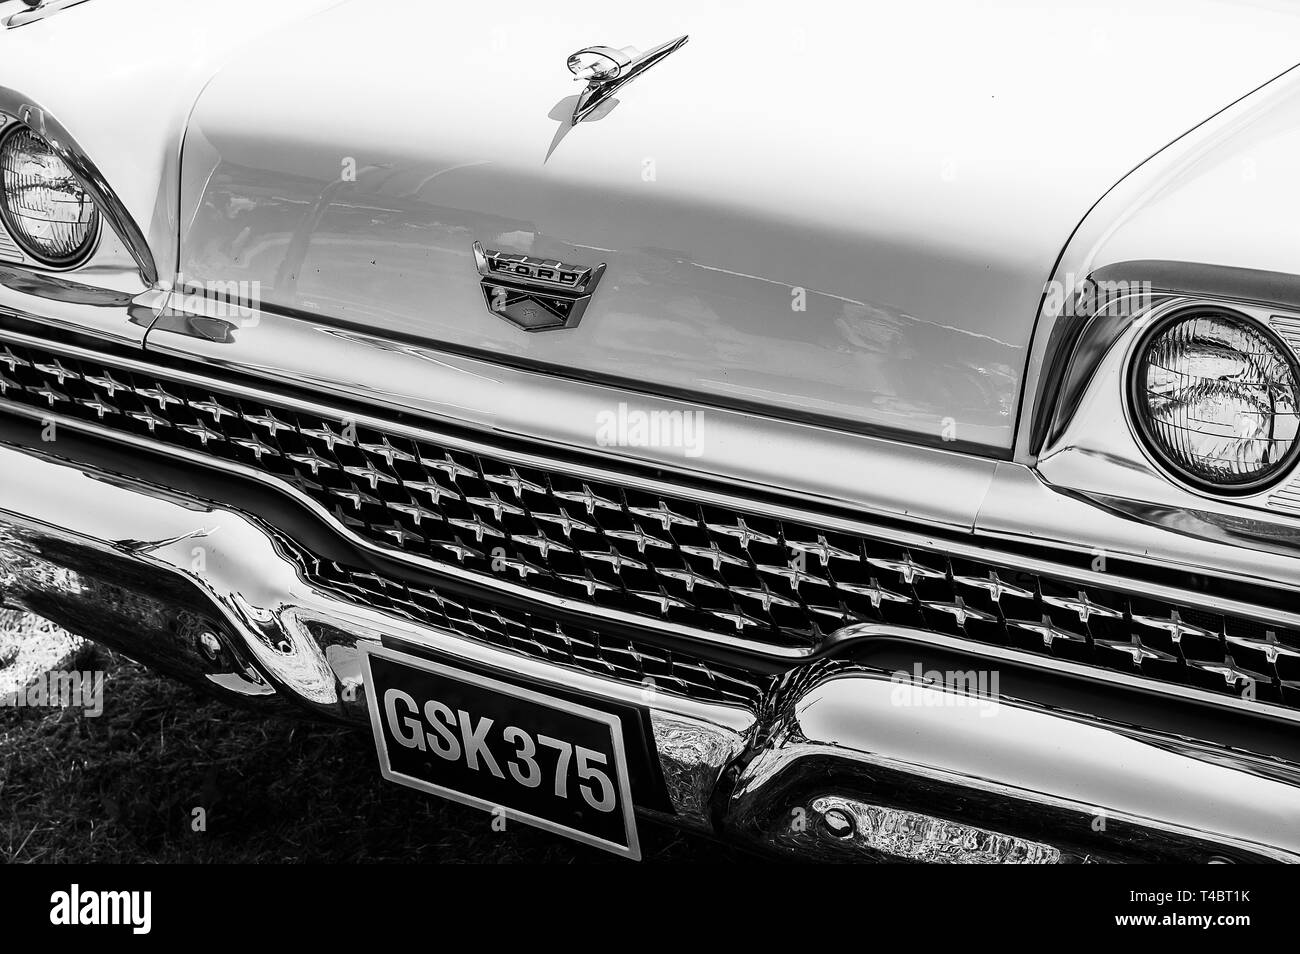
(123, 787)
(30, 646)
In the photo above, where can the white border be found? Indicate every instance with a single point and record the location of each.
(633, 848)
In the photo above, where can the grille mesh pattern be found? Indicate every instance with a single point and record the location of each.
(577, 647)
(780, 582)
(8, 250)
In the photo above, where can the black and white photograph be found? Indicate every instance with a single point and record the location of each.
(693, 433)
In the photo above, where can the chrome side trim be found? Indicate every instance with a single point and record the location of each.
(842, 642)
(63, 143)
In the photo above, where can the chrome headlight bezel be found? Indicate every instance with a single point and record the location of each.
(37, 255)
(1144, 428)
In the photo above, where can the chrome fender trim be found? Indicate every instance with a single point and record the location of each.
(52, 131)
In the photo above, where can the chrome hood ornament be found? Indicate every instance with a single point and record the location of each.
(606, 69)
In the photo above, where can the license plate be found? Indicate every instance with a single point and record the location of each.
(535, 758)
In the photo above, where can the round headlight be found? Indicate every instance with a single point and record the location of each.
(44, 206)
(1216, 398)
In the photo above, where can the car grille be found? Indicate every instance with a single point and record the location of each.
(576, 647)
(608, 545)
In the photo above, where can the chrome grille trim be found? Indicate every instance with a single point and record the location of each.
(487, 582)
(654, 669)
(904, 578)
(823, 521)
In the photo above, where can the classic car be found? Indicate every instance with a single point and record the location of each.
(859, 431)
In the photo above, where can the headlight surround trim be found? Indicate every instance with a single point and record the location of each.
(1145, 429)
(40, 257)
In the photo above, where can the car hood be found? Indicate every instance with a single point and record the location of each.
(844, 216)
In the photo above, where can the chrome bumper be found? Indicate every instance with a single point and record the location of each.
(843, 758)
